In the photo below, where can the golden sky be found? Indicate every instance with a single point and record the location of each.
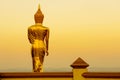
(89, 29)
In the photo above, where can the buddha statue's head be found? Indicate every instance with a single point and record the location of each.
(38, 16)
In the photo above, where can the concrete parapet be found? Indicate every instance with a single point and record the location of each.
(79, 72)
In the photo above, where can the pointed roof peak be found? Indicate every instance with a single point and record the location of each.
(79, 63)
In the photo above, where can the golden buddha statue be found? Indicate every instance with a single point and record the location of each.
(38, 36)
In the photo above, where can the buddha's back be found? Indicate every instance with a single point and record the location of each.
(37, 32)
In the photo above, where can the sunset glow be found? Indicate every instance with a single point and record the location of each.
(89, 29)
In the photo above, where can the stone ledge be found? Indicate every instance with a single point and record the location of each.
(101, 74)
(36, 75)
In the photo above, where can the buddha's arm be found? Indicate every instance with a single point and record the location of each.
(30, 36)
(47, 39)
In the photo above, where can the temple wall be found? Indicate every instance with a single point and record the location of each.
(36, 79)
(79, 72)
(59, 79)
(102, 78)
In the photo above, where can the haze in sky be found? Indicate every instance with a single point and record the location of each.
(89, 29)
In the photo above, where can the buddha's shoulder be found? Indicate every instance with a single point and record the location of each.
(32, 26)
(45, 27)
(38, 27)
